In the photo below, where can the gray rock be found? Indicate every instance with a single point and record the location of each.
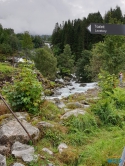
(18, 164)
(61, 147)
(74, 112)
(2, 160)
(57, 100)
(24, 151)
(27, 158)
(18, 150)
(84, 102)
(82, 85)
(48, 151)
(20, 116)
(44, 124)
(13, 131)
(61, 105)
(4, 150)
(50, 164)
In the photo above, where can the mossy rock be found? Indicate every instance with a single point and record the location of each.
(48, 92)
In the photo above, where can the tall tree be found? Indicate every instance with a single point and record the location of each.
(37, 41)
(91, 39)
(115, 14)
(27, 43)
(65, 61)
(82, 72)
(45, 62)
(111, 53)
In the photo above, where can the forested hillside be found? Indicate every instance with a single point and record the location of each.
(73, 48)
(75, 34)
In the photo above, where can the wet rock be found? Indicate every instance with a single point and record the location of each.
(67, 83)
(56, 94)
(82, 85)
(67, 79)
(57, 100)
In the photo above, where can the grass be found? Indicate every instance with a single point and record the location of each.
(108, 144)
(84, 148)
(6, 71)
(5, 68)
(95, 150)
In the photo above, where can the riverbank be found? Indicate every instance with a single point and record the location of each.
(70, 123)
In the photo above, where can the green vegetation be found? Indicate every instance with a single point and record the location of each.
(94, 137)
(65, 61)
(6, 68)
(45, 62)
(25, 92)
(82, 71)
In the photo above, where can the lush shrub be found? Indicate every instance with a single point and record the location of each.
(119, 98)
(25, 92)
(110, 107)
(107, 83)
(106, 111)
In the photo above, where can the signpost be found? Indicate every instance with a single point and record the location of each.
(106, 29)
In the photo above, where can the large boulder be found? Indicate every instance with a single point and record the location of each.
(74, 112)
(13, 131)
(20, 115)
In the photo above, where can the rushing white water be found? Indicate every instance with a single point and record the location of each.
(73, 88)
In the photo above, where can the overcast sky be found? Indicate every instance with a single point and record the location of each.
(40, 16)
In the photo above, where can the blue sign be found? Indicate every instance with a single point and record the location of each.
(114, 161)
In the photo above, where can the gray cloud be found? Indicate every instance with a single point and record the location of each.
(40, 16)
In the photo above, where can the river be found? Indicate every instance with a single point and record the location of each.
(73, 88)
